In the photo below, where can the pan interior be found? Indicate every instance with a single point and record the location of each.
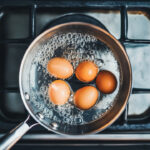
(75, 47)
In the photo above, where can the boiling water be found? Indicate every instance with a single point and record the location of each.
(75, 47)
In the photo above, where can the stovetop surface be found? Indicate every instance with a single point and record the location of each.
(128, 21)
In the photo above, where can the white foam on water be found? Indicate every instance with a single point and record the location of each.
(75, 47)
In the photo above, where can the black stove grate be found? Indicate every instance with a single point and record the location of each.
(9, 80)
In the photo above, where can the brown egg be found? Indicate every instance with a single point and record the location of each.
(86, 71)
(60, 68)
(86, 97)
(106, 82)
(59, 92)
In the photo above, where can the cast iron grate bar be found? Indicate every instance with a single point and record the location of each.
(140, 91)
(33, 21)
(135, 41)
(9, 90)
(77, 3)
(124, 23)
(16, 41)
(124, 29)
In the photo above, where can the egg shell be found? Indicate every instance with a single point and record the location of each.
(59, 92)
(60, 68)
(86, 71)
(86, 97)
(106, 82)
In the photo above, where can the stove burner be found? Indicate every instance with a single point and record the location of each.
(21, 22)
(74, 18)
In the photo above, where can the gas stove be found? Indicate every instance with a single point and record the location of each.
(128, 21)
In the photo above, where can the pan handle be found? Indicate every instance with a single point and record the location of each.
(14, 135)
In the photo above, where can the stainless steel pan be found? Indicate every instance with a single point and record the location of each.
(76, 41)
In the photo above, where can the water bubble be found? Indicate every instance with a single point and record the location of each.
(99, 62)
(78, 120)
